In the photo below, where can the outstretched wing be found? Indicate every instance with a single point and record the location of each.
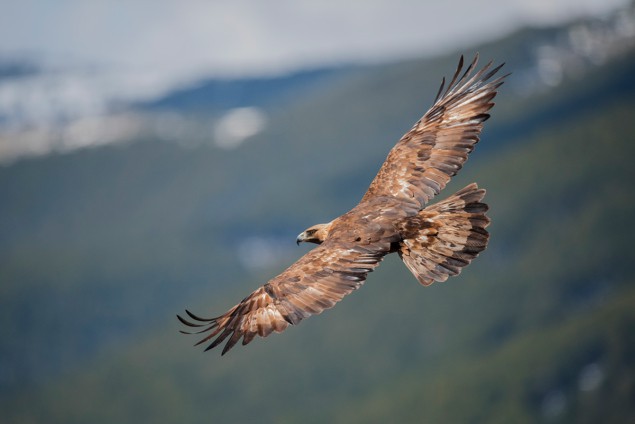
(437, 146)
(314, 283)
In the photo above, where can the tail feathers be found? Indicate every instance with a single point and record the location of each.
(446, 237)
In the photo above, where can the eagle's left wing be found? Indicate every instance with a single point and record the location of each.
(315, 282)
(420, 165)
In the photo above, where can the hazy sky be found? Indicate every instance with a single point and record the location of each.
(254, 36)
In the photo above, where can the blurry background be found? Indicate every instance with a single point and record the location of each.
(164, 155)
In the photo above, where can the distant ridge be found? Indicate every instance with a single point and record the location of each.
(222, 94)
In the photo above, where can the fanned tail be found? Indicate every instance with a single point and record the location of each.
(446, 237)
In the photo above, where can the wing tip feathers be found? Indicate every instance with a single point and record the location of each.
(478, 79)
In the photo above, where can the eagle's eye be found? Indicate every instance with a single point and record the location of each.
(310, 232)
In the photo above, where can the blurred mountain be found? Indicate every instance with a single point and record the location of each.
(215, 94)
(99, 248)
(16, 68)
(47, 108)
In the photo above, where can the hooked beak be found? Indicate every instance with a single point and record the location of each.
(300, 238)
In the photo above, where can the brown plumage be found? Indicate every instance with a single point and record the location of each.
(434, 242)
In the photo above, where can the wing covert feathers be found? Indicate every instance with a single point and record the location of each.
(314, 283)
(422, 162)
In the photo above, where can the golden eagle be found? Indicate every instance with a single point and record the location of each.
(434, 242)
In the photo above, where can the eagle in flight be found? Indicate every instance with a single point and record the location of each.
(434, 242)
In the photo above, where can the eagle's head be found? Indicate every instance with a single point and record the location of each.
(315, 234)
